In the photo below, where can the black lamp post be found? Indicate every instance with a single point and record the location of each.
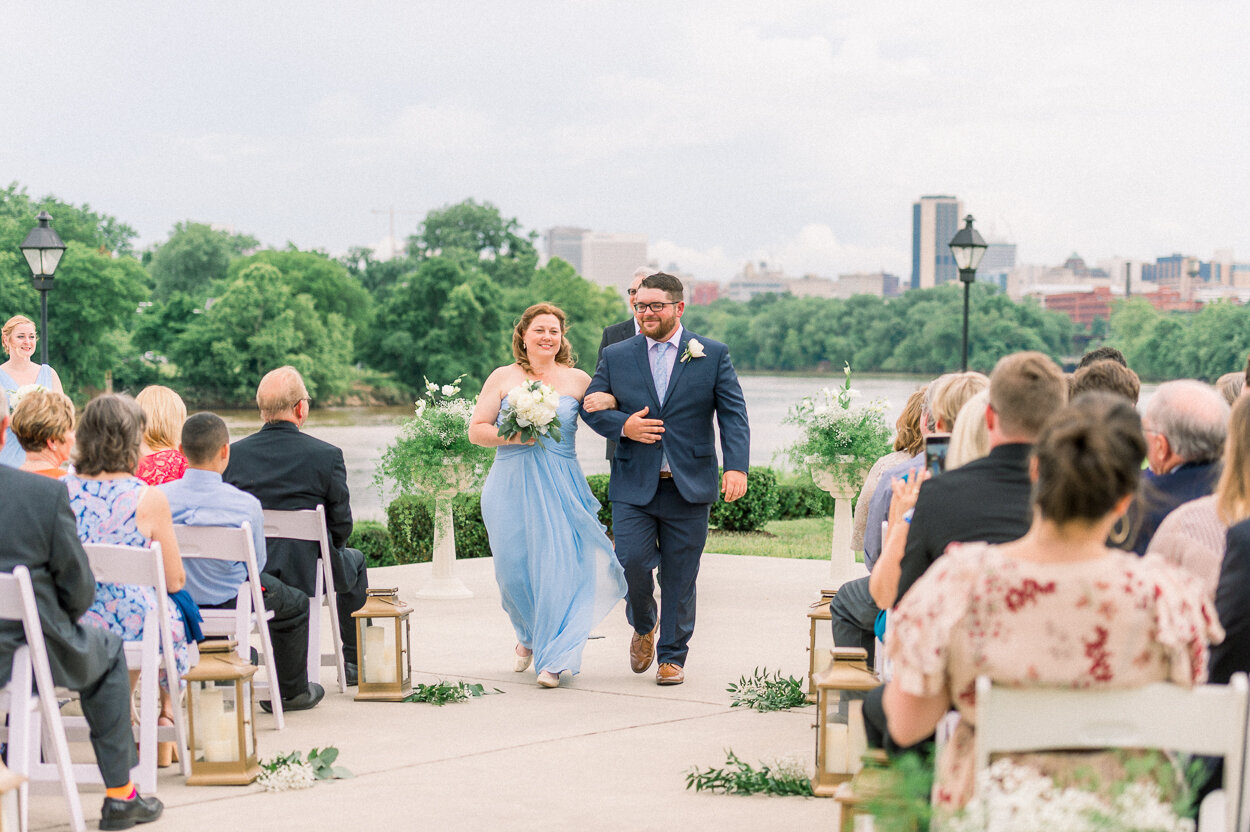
(43, 249)
(968, 247)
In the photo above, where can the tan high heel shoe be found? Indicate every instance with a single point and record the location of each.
(166, 752)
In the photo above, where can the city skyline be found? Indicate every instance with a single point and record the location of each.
(726, 132)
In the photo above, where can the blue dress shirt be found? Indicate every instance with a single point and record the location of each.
(200, 498)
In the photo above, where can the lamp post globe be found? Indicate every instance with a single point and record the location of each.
(42, 249)
(968, 247)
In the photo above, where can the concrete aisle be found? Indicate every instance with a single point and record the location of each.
(608, 750)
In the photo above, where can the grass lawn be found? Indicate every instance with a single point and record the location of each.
(808, 537)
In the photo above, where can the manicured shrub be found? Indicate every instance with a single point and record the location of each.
(599, 487)
(803, 499)
(410, 520)
(753, 510)
(373, 539)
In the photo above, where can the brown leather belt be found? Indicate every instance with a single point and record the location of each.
(666, 475)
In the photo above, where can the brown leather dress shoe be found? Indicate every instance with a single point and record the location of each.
(642, 650)
(669, 674)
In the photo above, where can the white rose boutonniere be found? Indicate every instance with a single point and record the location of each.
(693, 350)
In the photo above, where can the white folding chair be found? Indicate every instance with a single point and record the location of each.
(27, 710)
(234, 544)
(143, 567)
(1206, 719)
(310, 524)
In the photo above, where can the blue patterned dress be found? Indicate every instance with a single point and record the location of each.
(557, 571)
(105, 513)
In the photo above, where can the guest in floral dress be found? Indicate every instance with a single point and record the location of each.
(112, 506)
(160, 461)
(1055, 608)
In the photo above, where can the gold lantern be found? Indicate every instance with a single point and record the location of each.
(383, 647)
(840, 737)
(222, 713)
(872, 783)
(10, 785)
(820, 640)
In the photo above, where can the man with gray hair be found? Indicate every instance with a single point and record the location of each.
(1185, 424)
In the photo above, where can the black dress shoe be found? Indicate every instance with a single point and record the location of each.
(301, 702)
(123, 814)
(352, 673)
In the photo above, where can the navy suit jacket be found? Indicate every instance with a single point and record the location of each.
(614, 334)
(698, 390)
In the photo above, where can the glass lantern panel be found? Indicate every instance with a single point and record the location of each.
(216, 733)
(51, 258)
(245, 704)
(33, 260)
(379, 658)
(834, 725)
(405, 660)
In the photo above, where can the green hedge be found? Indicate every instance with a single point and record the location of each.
(374, 540)
(599, 487)
(410, 521)
(753, 510)
(803, 499)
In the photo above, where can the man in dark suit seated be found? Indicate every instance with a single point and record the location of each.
(288, 470)
(615, 333)
(1185, 424)
(40, 534)
(987, 499)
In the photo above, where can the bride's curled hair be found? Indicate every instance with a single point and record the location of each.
(1089, 456)
(564, 355)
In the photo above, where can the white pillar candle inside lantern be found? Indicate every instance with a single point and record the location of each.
(840, 735)
(223, 732)
(383, 645)
(820, 640)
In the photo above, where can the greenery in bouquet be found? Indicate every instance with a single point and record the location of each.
(530, 411)
(835, 427)
(433, 447)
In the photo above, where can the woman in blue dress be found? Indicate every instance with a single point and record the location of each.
(19, 339)
(557, 572)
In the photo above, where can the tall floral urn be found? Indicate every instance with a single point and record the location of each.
(842, 479)
(444, 584)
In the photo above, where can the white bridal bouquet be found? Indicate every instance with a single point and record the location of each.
(17, 395)
(530, 411)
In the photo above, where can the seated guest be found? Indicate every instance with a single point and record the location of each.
(1185, 424)
(113, 506)
(1193, 535)
(970, 438)
(40, 534)
(160, 460)
(852, 610)
(200, 498)
(1055, 608)
(1230, 386)
(1102, 354)
(1106, 376)
(289, 470)
(43, 423)
(908, 441)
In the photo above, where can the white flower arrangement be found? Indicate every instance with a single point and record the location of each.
(287, 777)
(693, 350)
(530, 411)
(1016, 798)
(21, 392)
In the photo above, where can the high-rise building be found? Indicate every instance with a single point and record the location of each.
(611, 259)
(565, 242)
(934, 221)
(997, 263)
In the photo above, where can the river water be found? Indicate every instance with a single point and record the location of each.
(364, 432)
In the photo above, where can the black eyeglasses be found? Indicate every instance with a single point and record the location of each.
(655, 306)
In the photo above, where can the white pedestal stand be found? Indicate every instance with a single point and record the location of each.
(444, 585)
(842, 564)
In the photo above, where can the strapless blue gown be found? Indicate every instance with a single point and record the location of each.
(558, 574)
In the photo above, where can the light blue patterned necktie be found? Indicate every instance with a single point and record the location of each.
(659, 372)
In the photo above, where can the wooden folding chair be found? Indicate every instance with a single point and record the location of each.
(28, 710)
(234, 544)
(143, 567)
(1207, 719)
(310, 524)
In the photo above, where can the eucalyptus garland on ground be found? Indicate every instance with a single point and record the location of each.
(433, 453)
(836, 432)
(762, 692)
(780, 777)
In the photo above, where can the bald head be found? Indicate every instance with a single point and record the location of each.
(282, 396)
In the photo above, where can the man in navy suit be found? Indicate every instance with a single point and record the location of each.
(668, 384)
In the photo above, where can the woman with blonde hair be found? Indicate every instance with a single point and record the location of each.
(970, 438)
(1192, 535)
(160, 460)
(19, 339)
(908, 441)
(558, 574)
(43, 423)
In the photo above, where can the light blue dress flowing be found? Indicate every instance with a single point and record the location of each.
(12, 454)
(557, 571)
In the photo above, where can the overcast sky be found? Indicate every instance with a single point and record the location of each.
(790, 131)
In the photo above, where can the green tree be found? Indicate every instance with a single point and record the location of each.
(193, 258)
(506, 255)
(327, 283)
(73, 223)
(588, 308)
(256, 324)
